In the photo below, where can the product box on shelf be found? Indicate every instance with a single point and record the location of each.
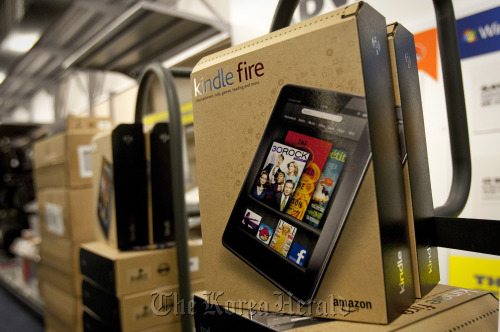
(317, 95)
(64, 306)
(414, 156)
(70, 283)
(127, 272)
(61, 253)
(92, 323)
(63, 160)
(54, 324)
(135, 311)
(65, 212)
(444, 308)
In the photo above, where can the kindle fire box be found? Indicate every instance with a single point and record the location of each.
(300, 178)
(414, 156)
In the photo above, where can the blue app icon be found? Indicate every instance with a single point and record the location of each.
(298, 254)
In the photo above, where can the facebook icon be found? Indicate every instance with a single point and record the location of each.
(298, 254)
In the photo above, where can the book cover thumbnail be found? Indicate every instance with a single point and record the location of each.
(283, 237)
(283, 163)
(319, 150)
(326, 186)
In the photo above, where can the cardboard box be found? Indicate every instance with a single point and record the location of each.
(124, 273)
(69, 283)
(135, 311)
(420, 207)
(344, 51)
(75, 124)
(54, 324)
(63, 160)
(66, 213)
(66, 307)
(61, 254)
(92, 323)
(445, 308)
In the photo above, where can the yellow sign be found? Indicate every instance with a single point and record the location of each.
(475, 273)
(186, 116)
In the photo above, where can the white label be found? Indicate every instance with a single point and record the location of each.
(104, 125)
(194, 264)
(85, 161)
(54, 217)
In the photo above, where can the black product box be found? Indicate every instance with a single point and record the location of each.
(414, 156)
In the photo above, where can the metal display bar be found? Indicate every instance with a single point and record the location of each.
(166, 80)
(456, 111)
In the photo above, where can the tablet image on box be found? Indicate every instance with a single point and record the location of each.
(300, 187)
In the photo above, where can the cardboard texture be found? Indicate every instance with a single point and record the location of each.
(63, 160)
(93, 323)
(345, 51)
(416, 168)
(64, 306)
(70, 283)
(135, 311)
(60, 253)
(444, 308)
(54, 324)
(65, 213)
(130, 272)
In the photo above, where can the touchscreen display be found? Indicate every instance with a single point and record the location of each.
(301, 184)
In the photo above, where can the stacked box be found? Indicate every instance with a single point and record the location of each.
(63, 181)
(133, 291)
(414, 157)
(444, 308)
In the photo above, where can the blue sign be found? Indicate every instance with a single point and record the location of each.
(479, 34)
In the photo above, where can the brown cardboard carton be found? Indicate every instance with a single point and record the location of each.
(63, 160)
(75, 124)
(60, 253)
(66, 307)
(54, 324)
(369, 277)
(445, 308)
(69, 283)
(93, 323)
(124, 273)
(66, 213)
(136, 311)
(414, 149)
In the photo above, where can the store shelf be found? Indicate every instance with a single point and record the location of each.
(26, 293)
(145, 33)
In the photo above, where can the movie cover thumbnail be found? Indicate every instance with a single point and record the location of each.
(282, 170)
